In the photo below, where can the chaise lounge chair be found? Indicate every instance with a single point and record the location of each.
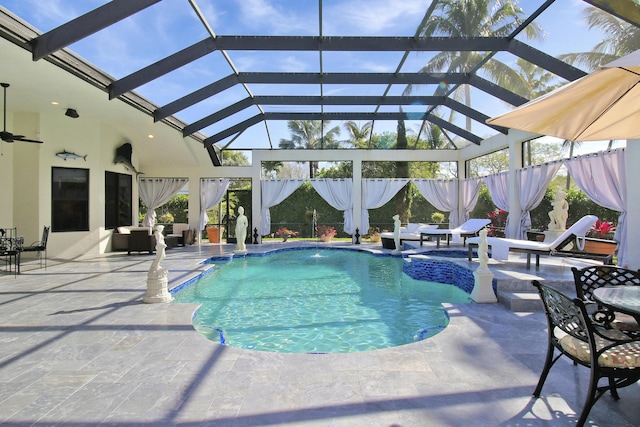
(469, 228)
(410, 232)
(561, 246)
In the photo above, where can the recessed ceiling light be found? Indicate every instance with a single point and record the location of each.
(55, 103)
(150, 136)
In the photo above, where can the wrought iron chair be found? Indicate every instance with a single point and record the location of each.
(40, 247)
(607, 353)
(591, 278)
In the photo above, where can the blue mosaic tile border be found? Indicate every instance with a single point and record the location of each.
(441, 271)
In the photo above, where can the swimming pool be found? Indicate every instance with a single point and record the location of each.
(317, 300)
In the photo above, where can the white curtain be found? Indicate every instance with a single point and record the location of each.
(532, 183)
(376, 193)
(274, 191)
(470, 190)
(602, 178)
(443, 195)
(499, 191)
(155, 192)
(211, 192)
(339, 194)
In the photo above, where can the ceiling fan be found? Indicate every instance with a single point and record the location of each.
(8, 136)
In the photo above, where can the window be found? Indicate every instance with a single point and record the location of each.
(69, 199)
(117, 200)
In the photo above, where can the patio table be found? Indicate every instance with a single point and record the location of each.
(625, 299)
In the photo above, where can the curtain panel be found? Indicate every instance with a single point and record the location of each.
(499, 192)
(274, 191)
(532, 182)
(339, 194)
(376, 193)
(211, 193)
(470, 188)
(155, 192)
(602, 177)
(443, 195)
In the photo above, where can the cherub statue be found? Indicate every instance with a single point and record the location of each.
(560, 212)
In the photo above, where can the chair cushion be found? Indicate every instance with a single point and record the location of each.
(412, 227)
(621, 356)
(179, 227)
(129, 229)
(624, 322)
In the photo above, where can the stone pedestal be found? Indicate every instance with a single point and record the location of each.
(551, 235)
(483, 288)
(157, 287)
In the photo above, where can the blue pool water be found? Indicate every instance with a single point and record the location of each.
(308, 300)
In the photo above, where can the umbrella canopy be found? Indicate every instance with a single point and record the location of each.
(599, 106)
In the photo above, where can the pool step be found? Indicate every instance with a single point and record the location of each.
(520, 301)
(522, 296)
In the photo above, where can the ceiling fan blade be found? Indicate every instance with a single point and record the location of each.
(22, 139)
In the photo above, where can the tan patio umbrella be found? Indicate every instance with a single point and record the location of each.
(599, 106)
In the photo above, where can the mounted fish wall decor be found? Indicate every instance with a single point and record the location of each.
(64, 155)
(123, 156)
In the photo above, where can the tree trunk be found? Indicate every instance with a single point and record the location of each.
(403, 199)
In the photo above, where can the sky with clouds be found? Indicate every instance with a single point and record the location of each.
(172, 25)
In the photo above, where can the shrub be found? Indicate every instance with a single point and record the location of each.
(437, 217)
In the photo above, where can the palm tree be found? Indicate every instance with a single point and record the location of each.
(620, 39)
(271, 168)
(403, 198)
(359, 136)
(537, 81)
(474, 18)
(311, 135)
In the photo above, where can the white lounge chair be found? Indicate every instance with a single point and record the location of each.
(469, 228)
(410, 232)
(500, 247)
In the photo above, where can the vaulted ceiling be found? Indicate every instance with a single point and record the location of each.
(263, 95)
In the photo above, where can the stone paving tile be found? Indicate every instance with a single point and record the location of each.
(78, 347)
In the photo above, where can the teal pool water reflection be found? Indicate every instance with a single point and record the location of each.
(308, 300)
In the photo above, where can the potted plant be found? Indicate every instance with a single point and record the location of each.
(285, 233)
(599, 239)
(326, 232)
(498, 223)
(374, 235)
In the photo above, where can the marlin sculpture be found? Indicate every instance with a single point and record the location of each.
(69, 155)
(123, 156)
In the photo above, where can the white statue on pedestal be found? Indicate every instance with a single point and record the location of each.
(396, 233)
(483, 250)
(158, 276)
(560, 212)
(483, 277)
(241, 231)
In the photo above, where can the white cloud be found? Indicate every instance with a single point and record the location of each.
(261, 15)
(293, 65)
(369, 17)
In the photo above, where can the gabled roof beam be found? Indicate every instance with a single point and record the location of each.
(336, 78)
(160, 68)
(85, 25)
(338, 100)
(627, 10)
(340, 116)
(545, 61)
